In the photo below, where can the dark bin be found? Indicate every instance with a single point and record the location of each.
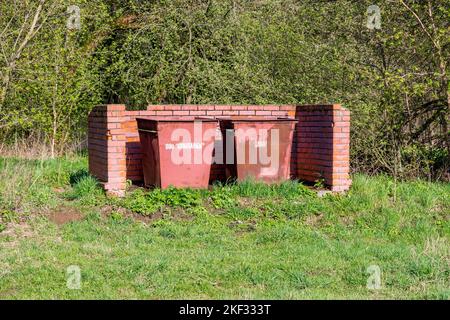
(260, 148)
(177, 152)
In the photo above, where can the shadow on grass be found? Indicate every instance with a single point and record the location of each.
(77, 176)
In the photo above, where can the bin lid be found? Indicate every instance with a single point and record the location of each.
(255, 119)
(177, 119)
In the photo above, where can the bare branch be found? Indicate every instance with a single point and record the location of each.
(421, 24)
(32, 31)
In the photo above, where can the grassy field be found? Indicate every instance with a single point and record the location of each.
(234, 241)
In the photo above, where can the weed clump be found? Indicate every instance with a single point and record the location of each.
(86, 189)
(286, 189)
(149, 202)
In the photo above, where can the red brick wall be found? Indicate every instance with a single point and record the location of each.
(106, 141)
(322, 141)
(320, 150)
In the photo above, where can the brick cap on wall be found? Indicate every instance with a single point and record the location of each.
(110, 107)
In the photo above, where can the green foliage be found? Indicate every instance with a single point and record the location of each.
(116, 216)
(243, 213)
(394, 80)
(222, 197)
(139, 201)
(319, 184)
(8, 215)
(148, 202)
(34, 188)
(53, 83)
(184, 198)
(85, 188)
(286, 189)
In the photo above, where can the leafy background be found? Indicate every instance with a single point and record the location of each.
(394, 80)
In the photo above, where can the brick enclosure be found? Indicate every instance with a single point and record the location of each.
(320, 148)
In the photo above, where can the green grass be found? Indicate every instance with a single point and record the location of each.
(246, 240)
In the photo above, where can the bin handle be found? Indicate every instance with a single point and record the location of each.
(151, 131)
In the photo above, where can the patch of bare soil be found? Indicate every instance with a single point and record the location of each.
(14, 232)
(64, 215)
(148, 219)
(178, 214)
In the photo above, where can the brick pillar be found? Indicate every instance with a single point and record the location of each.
(107, 141)
(322, 141)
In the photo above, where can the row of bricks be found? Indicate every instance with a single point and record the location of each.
(134, 172)
(220, 113)
(304, 173)
(322, 163)
(325, 135)
(105, 126)
(100, 116)
(106, 143)
(313, 118)
(130, 122)
(336, 116)
(307, 109)
(119, 107)
(320, 168)
(331, 154)
(330, 177)
(222, 107)
(331, 134)
(100, 131)
(330, 130)
(107, 171)
(339, 139)
(107, 149)
(100, 113)
(325, 124)
(136, 179)
(317, 109)
(330, 157)
(115, 186)
(97, 136)
(103, 122)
